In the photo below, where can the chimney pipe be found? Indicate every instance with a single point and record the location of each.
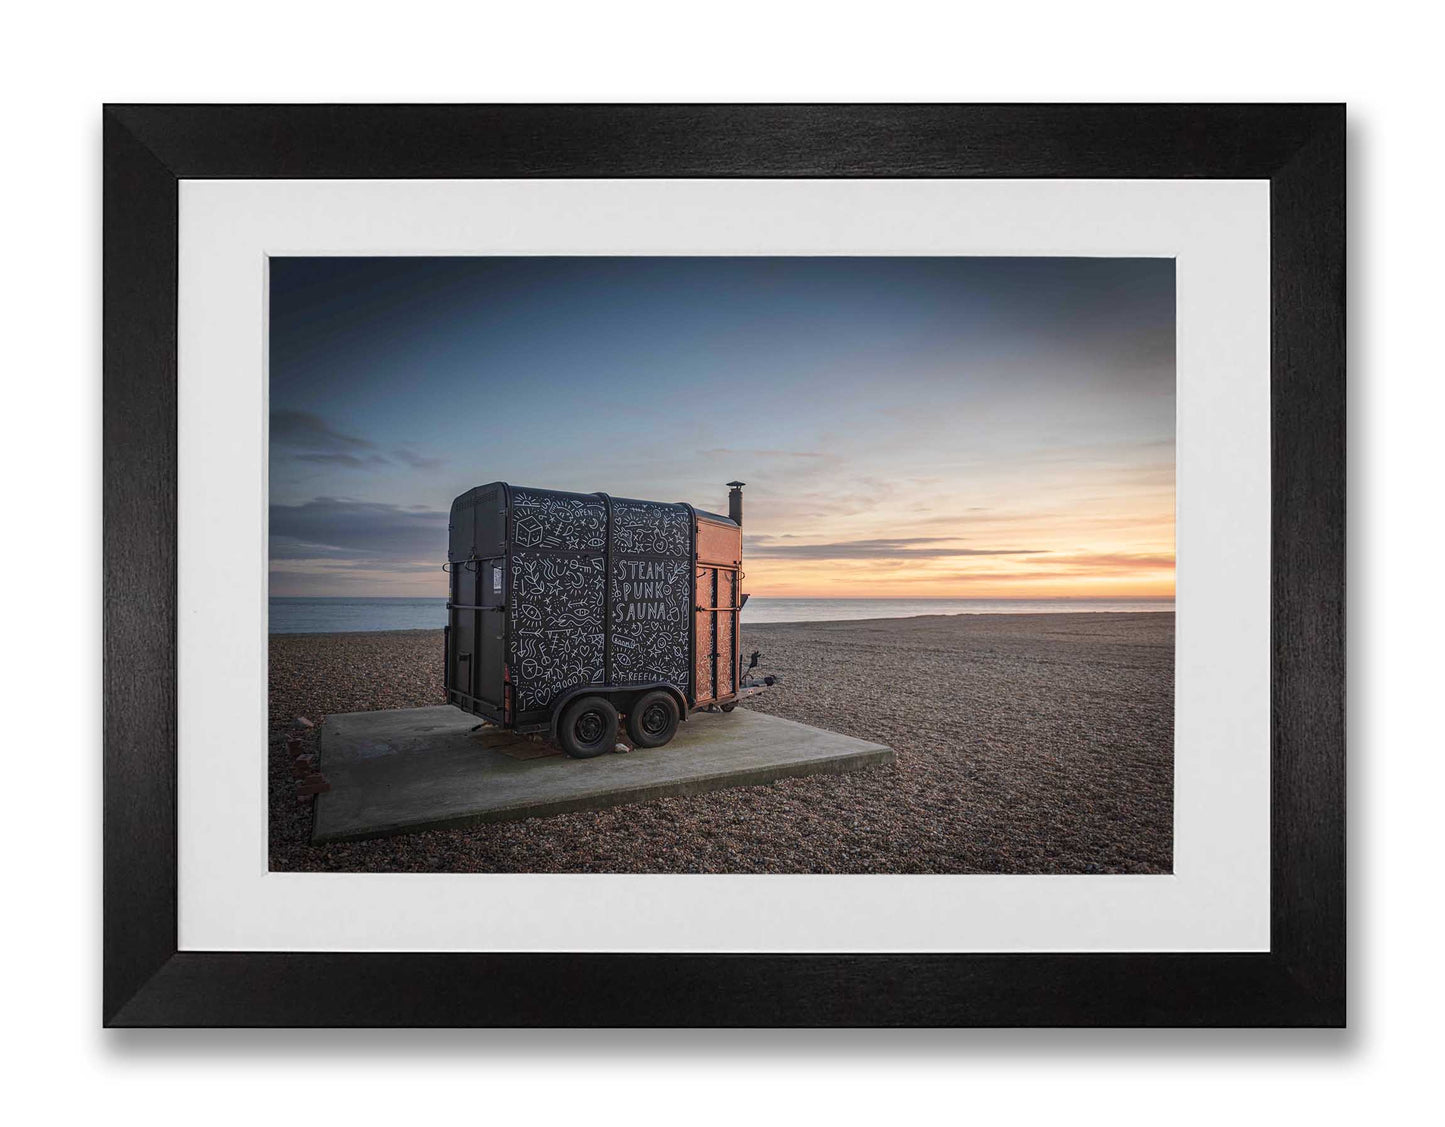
(735, 502)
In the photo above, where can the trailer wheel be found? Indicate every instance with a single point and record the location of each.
(652, 721)
(588, 728)
(732, 704)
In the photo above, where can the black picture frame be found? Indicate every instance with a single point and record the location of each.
(1299, 149)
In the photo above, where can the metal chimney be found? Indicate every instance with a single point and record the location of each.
(735, 502)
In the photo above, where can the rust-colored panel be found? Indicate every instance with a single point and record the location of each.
(726, 660)
(719, 543)
(704, 637)
(715, 642)
(702, 674)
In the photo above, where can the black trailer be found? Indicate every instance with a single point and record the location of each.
(570, 611)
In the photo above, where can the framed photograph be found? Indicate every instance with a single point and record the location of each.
(724, 565)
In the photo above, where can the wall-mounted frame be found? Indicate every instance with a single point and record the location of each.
(1299, 150)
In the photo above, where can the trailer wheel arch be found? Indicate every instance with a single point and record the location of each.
(619, 696)
(650, 708)
(579, 743)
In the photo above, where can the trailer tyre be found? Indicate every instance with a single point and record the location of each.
(652, 721)
(588, 727)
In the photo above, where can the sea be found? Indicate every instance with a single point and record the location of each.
(342, 615)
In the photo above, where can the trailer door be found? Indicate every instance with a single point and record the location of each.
(719, 559)
(477, 626)
(716, 637)
(491, 629)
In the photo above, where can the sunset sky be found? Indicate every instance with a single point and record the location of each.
(907, 427)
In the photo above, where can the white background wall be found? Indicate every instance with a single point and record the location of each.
(62, 62)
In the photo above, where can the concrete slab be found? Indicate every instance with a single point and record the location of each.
(423, 768)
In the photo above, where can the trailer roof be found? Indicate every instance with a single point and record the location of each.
(475, 491)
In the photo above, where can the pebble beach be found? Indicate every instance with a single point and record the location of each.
(1025, 743)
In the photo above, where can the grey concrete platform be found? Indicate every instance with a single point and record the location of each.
(423, 768)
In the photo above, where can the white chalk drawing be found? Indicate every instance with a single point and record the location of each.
(556, 638)
(651, 595)
(529, 531)
(569, 521)
(557, 599)
(651, 601)
(644, 527)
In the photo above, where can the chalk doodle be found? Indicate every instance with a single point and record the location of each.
(556, 639)
(651, 601)
(569, 521)
(559, 589)
(646, 527)
(651, 596)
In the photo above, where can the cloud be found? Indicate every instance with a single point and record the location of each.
(910, 547)
(303, 430)
(354, 461)
(416, 461)
(1091, 565)
(307, 437)
(1123, 561)
(728, 451)
(359, 580)
(362, 532)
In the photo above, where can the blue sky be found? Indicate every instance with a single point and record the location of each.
(906, 426)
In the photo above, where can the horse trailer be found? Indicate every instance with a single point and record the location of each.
(570, 612)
